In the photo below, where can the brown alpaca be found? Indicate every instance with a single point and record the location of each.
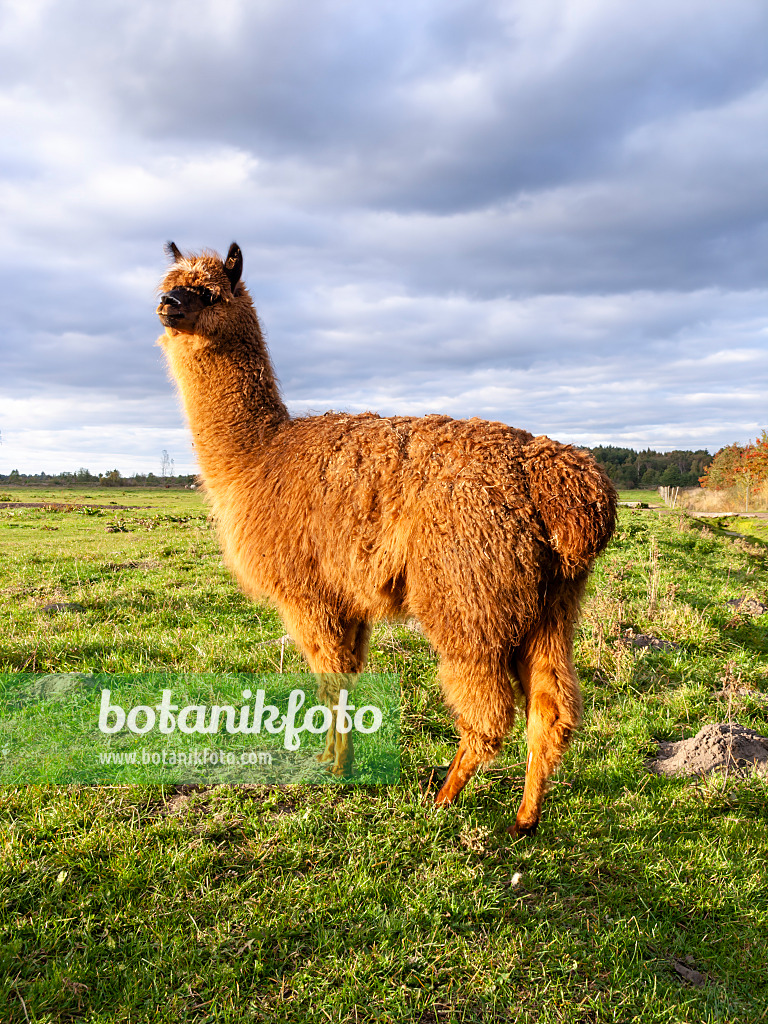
(483, 532)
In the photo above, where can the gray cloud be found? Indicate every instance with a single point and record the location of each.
(547, 213)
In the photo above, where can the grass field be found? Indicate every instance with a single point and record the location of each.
(647, 497)
(332, 903)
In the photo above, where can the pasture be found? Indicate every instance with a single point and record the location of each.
(641, 898)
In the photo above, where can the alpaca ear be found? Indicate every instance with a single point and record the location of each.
(171, 249)
(233, 265)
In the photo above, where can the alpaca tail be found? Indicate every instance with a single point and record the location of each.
(575, 499)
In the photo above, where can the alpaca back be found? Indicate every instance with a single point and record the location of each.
(383, 514)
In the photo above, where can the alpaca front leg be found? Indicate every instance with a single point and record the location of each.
(463, 767)
(329, 753)
(339, 748)
(342, 751)
(338, 752)
(336, 652)
(484, 699)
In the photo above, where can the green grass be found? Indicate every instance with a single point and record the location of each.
(649, 497)
(755, 530)
(49, 729)
(358, 904)
(170, 500)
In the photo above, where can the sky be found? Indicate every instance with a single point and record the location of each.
(547, 212)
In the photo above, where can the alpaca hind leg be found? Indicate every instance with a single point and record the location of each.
(553, 710)
(484, 701)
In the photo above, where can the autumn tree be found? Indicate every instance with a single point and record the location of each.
(720, 474)
(741, 468)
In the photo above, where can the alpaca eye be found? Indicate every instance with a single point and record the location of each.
(207, 296)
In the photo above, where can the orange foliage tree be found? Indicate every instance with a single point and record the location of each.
(738, 466)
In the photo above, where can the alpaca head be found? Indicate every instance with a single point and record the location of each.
(196, 288)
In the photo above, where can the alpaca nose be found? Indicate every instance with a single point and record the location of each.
(166, 299)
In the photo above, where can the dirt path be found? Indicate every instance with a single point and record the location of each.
(735, 515)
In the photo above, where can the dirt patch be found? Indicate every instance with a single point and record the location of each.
(183, 800)
(721, 745)
(58, 685)
(146, 563)
(688, 972)
(199, 801)
(54, 607)
(60, 506)
(644, 640)
(748, 606)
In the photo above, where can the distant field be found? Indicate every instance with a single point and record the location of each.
(649, 497)
(351, 904)
(167, 499)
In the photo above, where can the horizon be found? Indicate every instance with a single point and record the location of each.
(99, 475)
(74, 465)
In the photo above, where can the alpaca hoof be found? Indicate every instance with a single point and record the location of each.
(339, 770)
(519, 831)
(322, 758)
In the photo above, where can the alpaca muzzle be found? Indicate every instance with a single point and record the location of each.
(180, 307)
(170, 310)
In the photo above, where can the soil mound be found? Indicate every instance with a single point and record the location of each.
(722, 745)
(645, 640)
(748, 606)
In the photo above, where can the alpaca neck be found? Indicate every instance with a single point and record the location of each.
(231, 398)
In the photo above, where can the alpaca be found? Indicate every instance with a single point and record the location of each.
(483, 532)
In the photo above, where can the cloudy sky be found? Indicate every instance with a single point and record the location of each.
(548, 212)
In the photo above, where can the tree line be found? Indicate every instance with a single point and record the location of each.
(84, 478)
(646, 470)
